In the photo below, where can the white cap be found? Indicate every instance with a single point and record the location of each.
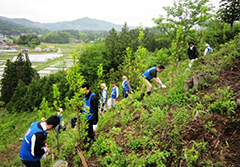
(124, 77)
(60, 110)
(103, 84)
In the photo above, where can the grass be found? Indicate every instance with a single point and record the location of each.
(14, 125)
(65, 48)
(8, 56)
(51, 62)
(131, 135)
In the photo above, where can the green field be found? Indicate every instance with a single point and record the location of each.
(65, 48)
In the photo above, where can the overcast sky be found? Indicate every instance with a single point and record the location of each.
(133, 12)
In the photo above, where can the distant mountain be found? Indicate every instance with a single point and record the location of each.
(22, 21)
(79, 24)
(11, 28)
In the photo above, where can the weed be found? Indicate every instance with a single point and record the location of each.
(223, 103)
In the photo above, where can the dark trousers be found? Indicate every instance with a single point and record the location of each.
(59, 127)
(90, 131)
(125, 95)
(31, 163)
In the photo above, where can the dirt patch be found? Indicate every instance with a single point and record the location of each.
(230, 77)
(224, 137)
(10, 152)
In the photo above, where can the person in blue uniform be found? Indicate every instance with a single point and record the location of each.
(61, 124)
(208, 50)
(34, 142)
(114, 95)
(147, 76)
(91, 106)
(104, 98)
(126, 88)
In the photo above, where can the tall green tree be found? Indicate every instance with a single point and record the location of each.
(13, 72)
(113, 45)
(149, 40)
(184, 13)
(124, 39)
(91, 58)
(9, 81)
(229, 11)
(17, 100)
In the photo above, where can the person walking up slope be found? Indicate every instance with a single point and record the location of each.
(126, 88)
(104, 98)
(114, 96)
(192, 53)
(61, 124)
(208, 50)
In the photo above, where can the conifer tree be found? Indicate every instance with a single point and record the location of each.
(113, 45)
(13, 72)
(9, 82)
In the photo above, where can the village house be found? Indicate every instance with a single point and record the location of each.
(24, 50)
(14, 47)
(4, 46)
(38, 49)
(47, 49)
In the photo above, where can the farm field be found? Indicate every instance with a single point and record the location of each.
(55, 62)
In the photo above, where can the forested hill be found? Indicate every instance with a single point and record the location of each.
(11, 28)
(79, 24)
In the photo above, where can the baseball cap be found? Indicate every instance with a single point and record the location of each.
(103, 84)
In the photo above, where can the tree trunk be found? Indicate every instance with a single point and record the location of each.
(231, 26)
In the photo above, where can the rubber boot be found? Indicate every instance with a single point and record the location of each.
(148, 93)
(142, 95)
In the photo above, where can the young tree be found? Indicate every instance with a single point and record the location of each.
(229, 11)
(184, 13)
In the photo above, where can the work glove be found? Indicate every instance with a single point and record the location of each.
(94, 127)
(163, 86)
(159, 80)
(44, 155)
(116, 99)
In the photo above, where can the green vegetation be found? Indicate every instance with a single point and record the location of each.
(50, 62)
(30, 40)
(229, 12)
(10, 28)
(20, 70)
(73, 36)
(65, 48)
(168, 128)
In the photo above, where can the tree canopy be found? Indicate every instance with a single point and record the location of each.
(229, 11)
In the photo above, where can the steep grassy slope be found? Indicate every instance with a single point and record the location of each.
(169, 128)
(172, 128)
